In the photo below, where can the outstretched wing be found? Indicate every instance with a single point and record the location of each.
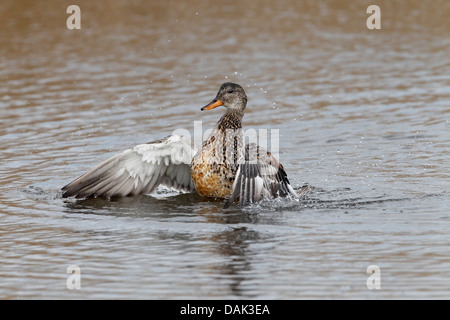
(259, 175)
(139, 170)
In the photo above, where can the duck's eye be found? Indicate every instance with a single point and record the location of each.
(230, 91)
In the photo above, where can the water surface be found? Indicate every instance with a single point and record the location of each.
(364, 120)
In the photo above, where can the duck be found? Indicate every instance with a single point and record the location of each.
(222, 168)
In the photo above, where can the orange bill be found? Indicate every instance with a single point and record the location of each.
(213, 104)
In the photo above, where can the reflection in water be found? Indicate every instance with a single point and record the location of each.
(234, 244)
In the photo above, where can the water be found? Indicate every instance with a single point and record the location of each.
(364, 120)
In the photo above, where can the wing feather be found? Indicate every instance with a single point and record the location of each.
(259, 175)
(138, 170)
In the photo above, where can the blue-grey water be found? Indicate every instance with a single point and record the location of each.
(363, 116)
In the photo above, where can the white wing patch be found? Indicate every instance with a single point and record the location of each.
(139, 170)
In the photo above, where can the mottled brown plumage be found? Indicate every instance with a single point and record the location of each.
(214, 166)
(222, 157)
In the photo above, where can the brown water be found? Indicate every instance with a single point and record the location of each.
(364, 119)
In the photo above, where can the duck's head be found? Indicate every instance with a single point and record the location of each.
(231, 95)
